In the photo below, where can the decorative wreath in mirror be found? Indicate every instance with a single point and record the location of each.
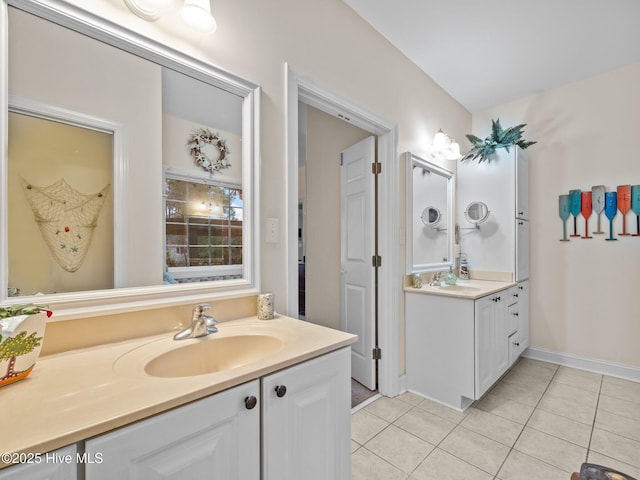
(203, 145)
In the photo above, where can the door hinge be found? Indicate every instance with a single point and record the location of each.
(376, 260)
(376, 168)
(377, 353)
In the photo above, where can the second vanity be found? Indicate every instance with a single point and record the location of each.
(462, 338)
(271, 410)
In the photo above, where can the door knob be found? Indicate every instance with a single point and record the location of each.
(281, 391)
(250, 402)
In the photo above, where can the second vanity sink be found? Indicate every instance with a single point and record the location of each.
(212, 355)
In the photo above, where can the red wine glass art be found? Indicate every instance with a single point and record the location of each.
(586, 211)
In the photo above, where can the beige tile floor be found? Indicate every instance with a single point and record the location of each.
(540, 421)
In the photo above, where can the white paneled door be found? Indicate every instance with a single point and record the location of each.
(357, 250)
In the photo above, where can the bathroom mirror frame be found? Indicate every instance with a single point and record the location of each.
(99, 302)
(413, 266)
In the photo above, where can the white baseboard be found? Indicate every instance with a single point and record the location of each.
(604, 367)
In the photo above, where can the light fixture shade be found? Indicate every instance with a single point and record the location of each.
(440, 139)
(149, 10)
(197, 14)
(455, 150)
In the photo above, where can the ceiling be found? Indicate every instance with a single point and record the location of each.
(488, 52)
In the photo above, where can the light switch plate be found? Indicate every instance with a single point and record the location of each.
(273, 230)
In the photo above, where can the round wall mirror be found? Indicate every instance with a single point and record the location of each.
(476, 212)
(431, 216)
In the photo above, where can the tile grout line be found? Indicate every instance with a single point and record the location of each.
(527, 422)
(595, 415)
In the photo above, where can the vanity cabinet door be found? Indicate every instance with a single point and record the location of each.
(306, 424)
(492, 340)
(522, 185)
(60, 464)
(217, 437)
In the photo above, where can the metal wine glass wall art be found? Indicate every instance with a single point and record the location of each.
(625, 199)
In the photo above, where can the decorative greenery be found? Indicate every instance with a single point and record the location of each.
(23, 309)
(499, 138)
(202, 137)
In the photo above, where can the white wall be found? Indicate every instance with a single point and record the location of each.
(326, 137)
(326, 40)
(583, 292)
(177, 157)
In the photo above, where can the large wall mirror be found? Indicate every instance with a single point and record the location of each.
(131, 172)
(430, 215)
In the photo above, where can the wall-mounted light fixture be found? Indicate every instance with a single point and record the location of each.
(444, 148)
(195, 13)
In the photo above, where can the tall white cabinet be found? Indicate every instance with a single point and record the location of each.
(501, 244)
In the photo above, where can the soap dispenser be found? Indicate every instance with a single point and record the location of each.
(450, 277)
(464, 267)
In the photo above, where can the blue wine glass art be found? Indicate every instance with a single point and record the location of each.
(574, 208)
(563, 208)
(635, 207)
(610, 210)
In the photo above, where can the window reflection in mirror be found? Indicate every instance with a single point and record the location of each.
(152, 109)
(429, 232)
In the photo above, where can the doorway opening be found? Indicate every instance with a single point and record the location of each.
(307, 91)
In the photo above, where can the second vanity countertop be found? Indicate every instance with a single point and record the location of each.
(76, 395)
(471, 289)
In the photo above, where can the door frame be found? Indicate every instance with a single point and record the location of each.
(305, 89)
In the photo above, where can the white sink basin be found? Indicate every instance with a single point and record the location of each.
(218, 352)
(212, 355)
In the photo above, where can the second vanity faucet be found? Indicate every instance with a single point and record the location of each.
(437, 280)
(201, 324)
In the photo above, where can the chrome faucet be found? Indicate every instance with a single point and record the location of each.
(201, 324)
(436, 280)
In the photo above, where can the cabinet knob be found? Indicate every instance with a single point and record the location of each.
(250, 402)
(515, 295)
(281, 391)
(517, 344)
(498, 299)
(520, 223)
(515, 314)
(520, 287)
(520, 214)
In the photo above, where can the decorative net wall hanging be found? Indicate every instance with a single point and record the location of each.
(66, 218)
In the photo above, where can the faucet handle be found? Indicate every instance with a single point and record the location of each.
(200, 309)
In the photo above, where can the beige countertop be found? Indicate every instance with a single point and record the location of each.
(79, 394)
(471, 289)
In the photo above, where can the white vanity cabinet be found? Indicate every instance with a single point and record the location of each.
(519, 316)
(306, 424)
(300, 416)
(57, 465)
(458, 347)
(215, 437)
